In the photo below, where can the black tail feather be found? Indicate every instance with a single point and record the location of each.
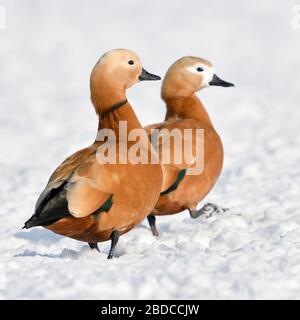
(45, 220)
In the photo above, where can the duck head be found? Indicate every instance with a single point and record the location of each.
(190, 74)
(116, 71)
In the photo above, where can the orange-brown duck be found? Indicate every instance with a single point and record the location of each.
(91, 201)
(180, 190)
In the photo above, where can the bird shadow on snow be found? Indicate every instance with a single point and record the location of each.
(36, 235)
(47, 238)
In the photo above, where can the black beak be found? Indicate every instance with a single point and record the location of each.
(216, 81)
(145, 75)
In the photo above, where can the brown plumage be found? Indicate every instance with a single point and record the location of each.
(185, 111)
(91, 201)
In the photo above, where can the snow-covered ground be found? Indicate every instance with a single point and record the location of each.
(253, 250)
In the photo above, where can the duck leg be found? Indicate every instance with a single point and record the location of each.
(151, 219)
(94, 246)
(207, 210)
(114, 240)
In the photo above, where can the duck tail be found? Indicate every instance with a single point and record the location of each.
(30, 223)
(45, 220)
(38, 222)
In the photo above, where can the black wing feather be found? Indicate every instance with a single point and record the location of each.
(53, 207)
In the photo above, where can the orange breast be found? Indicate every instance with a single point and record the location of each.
(193, 188)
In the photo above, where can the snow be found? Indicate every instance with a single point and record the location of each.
(251, 251)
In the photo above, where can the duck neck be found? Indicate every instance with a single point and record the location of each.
(186, 107)
(111, 118)
(111, 105)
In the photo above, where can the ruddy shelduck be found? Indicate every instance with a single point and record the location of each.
(91, 201)
(180, 190)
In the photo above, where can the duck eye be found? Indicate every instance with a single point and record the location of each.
(199, 69)
(130, 62)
